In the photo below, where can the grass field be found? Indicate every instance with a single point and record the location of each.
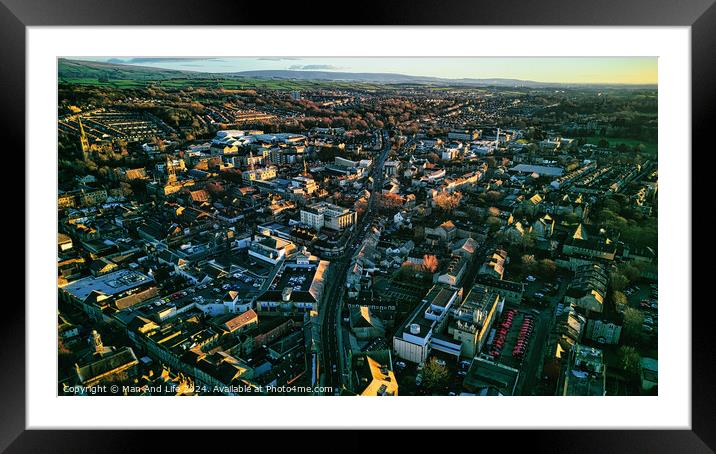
(650, 147)
(230, 84)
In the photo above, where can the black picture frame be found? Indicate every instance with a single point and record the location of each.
(700, 15)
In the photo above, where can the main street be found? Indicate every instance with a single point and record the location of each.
(331, 344)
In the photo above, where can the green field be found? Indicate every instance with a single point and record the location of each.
(650, 147)
(231, 84)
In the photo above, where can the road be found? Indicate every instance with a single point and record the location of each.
(535, 354)
(331, 343)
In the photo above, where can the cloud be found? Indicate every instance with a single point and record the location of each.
(316, 67)
(278, 58)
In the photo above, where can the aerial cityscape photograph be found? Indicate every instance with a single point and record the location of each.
(357, 226)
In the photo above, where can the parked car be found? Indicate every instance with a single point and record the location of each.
(530, 278)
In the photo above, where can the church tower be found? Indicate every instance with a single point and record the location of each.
(97, 342)
(171, 173)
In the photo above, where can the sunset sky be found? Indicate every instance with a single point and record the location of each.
(614, 70)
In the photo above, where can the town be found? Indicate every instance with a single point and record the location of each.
(249, 236)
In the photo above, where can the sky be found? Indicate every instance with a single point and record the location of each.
(614, 70)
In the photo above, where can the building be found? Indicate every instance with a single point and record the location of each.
(324, 214)
(372, 378)
(494, 266)
(584, 373)
(463, 134)
(588, 289)
(471, 320)
(64, 242)
(95, 294)
(511, 291)
(456, 268)
(296, 288)
(605, 329)
(413, 339)
(271, 249)
(236, 324)
(391, 168)
(649, 373)
(585, 244)
(364, 324)
(260, 174)
(104, 364)
(488, 378)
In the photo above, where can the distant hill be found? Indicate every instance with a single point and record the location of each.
(386, 78)
(75, 69)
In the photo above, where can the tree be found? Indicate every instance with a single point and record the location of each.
(529, 263)
(633, 319)
(630, 362)
(631, 272)
(547, 268)
(618, 280)
(493, 223)
(620, 300)
(447, 201)
(430, 263)
(435, 375)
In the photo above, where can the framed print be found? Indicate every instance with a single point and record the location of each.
(237, 222)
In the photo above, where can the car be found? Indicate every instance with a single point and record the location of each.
(530, 278)
(461, 373)
(465, 363)
(647, 328)
(654, 306)
(400, 364)
(539, 295)
(440, 362)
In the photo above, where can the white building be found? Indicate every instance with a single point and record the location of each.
(324, 214)
(413, 341)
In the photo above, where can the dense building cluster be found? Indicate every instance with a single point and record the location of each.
(457, 242)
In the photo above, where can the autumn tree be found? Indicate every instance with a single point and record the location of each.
(447, 201)
(430, 263)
